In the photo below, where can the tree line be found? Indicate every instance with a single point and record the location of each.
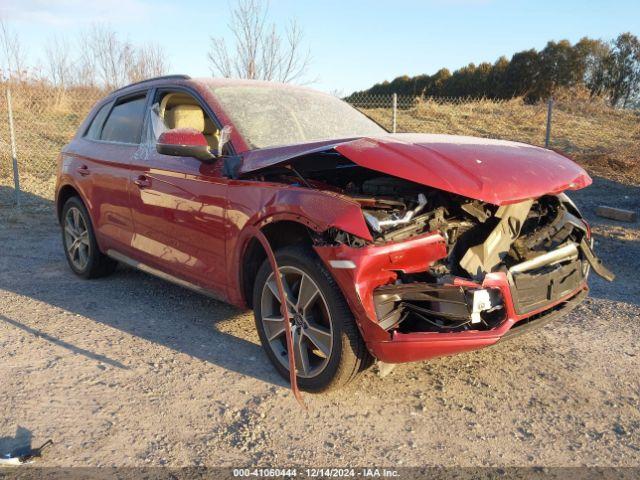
(609, 69)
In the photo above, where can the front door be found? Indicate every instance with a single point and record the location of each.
(178, 203)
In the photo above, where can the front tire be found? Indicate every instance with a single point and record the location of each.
(329, 351)
(80, 245)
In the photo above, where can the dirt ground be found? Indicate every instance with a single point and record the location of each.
(130, 370)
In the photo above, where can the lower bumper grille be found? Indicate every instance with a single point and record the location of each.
(531, 291)
(541, 319)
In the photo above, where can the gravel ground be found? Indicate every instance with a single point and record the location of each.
(130, 370)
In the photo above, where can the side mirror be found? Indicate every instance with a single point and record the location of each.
(184, 142)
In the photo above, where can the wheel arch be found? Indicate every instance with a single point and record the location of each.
(65, 193)
(279, 233)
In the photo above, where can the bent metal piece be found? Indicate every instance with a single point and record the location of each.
(595, 262)
(285, 314)
(567, 252)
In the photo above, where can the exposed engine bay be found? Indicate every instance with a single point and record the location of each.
(542, 245)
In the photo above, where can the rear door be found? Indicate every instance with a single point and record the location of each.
(103, 159)
(178, 204)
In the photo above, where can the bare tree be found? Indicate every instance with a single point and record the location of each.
(85, 71)
(149, 61)
(59, 63)
(13, 56)
(109, 57)
(113, 62)
(259, 50)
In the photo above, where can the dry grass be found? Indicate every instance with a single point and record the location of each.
(603, 140)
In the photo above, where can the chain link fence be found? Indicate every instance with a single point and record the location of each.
(494, 118)
(45, 119)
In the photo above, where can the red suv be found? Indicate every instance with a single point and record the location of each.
(394, 247)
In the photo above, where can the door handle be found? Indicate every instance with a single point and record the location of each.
(83, 170)
(142, 181)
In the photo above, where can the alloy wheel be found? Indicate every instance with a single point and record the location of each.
(76, 238)
(310, 319)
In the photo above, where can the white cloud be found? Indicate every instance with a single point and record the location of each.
(64, 13)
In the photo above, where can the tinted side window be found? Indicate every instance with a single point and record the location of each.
(96, 124)
(125, 121)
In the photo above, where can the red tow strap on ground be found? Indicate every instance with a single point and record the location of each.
(285, 315)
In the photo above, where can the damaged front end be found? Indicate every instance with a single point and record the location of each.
(444, 273)
(542, 248)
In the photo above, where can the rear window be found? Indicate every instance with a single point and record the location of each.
(96, 124)
(125, 121)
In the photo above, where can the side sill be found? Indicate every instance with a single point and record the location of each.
(162, 275)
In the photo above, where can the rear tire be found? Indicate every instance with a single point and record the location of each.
(324, 331)
(79, 241)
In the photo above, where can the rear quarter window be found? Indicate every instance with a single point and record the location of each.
(124, 123)
(95, 127)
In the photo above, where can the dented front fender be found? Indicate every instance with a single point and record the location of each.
(256, 204)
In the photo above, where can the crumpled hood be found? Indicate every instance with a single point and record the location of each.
(493, 171)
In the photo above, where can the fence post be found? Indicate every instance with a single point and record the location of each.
(395, 111)
(14, 155)
(547, 137)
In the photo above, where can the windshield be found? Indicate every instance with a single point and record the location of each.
(268, 116)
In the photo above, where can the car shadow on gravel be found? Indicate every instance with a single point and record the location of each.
(150, 309)
(61, 343)
(129, 300)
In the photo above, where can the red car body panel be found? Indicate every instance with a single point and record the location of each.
(179, 218)
(494, 171)
(254, 160)
(184, 217)
(257, 204)
(102, 179)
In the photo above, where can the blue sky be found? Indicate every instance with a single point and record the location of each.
(354, 44)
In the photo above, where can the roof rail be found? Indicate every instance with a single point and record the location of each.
(164, 77)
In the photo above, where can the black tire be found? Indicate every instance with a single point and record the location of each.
(349, 354)
(97, 264)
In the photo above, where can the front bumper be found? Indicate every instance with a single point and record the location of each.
(411, 347)
(373, 266)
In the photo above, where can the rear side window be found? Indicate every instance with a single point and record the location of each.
(93, 131)
(125, 121)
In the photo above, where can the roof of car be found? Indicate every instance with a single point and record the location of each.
(228, 82)
(208, 81)
(163, 78)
